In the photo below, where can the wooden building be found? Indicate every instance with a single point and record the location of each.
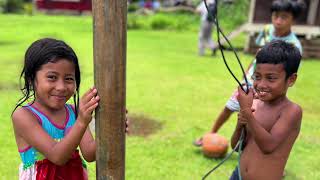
(307, 26)
(64, 5)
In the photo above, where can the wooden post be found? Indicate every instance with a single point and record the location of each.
(252, 11)
(250, 21)
(312, 14)
(109, 26)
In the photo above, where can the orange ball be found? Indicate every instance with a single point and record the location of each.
(214, 145)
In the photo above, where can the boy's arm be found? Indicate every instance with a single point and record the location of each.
(199, 8)
(236, 135)
(289, 121)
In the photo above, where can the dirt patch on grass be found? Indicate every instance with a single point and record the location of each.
(140, 125)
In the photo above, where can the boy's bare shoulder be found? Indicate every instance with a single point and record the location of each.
(294, 108)
(293, 111)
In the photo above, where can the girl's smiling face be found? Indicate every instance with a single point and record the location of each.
(55, 84)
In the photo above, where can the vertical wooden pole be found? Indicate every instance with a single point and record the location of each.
(252, 11)
(109, 26)
(250, 21)
(312, 14)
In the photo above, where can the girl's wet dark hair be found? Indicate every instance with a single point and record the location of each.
(42, 52)
(295, 7)
(280, 52)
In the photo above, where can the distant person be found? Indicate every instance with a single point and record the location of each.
(179, 2)
(283, 14)
(141, 3)
(206, 26)
(272, 122)
(148, 4)
(156, 5)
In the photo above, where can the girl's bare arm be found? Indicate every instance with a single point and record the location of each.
(27, 127)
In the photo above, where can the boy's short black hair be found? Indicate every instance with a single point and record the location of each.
(295, 7)
(280, 52)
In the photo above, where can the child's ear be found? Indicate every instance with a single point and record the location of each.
(292, 79)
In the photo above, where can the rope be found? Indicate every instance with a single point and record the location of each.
(239, 144)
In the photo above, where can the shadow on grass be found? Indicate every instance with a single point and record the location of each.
(9, 87)
(234, 157)
(7, 43)
(291, 175)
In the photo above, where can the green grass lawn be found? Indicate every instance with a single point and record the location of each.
(167, 82)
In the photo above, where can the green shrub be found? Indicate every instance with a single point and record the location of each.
(133, 7)
(12, 6)
(161, 22)
(133, 22)
(2, 5)
(182, 25)
(28, 8)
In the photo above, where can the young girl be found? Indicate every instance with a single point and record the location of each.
(47, 130)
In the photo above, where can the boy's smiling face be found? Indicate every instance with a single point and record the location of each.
(282, 21)
(270, 81)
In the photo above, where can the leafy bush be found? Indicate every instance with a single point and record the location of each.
(182, 25)
(133, 22)
(11, 6)
(180, 21)
(159, 22)
(28, 8)
(133, 7)
(2, 5)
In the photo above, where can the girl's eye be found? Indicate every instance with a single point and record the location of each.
(51, 77)
(70, 79)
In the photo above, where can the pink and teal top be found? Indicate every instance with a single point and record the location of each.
(35, 165)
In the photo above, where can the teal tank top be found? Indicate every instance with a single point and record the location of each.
(30, 155)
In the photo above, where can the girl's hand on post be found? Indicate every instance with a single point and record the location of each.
(88, 103)
(127, 122)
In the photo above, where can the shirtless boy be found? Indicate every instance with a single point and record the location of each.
(272, 122)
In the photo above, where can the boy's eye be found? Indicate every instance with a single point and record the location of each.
(284, 17)
(255, 77)
(271, 78)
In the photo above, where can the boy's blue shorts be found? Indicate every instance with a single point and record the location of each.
(235, 175)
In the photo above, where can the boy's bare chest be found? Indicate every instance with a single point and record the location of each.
(267, 117)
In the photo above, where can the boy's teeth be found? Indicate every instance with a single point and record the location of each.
(263, 93)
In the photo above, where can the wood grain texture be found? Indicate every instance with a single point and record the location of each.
(109, 24)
